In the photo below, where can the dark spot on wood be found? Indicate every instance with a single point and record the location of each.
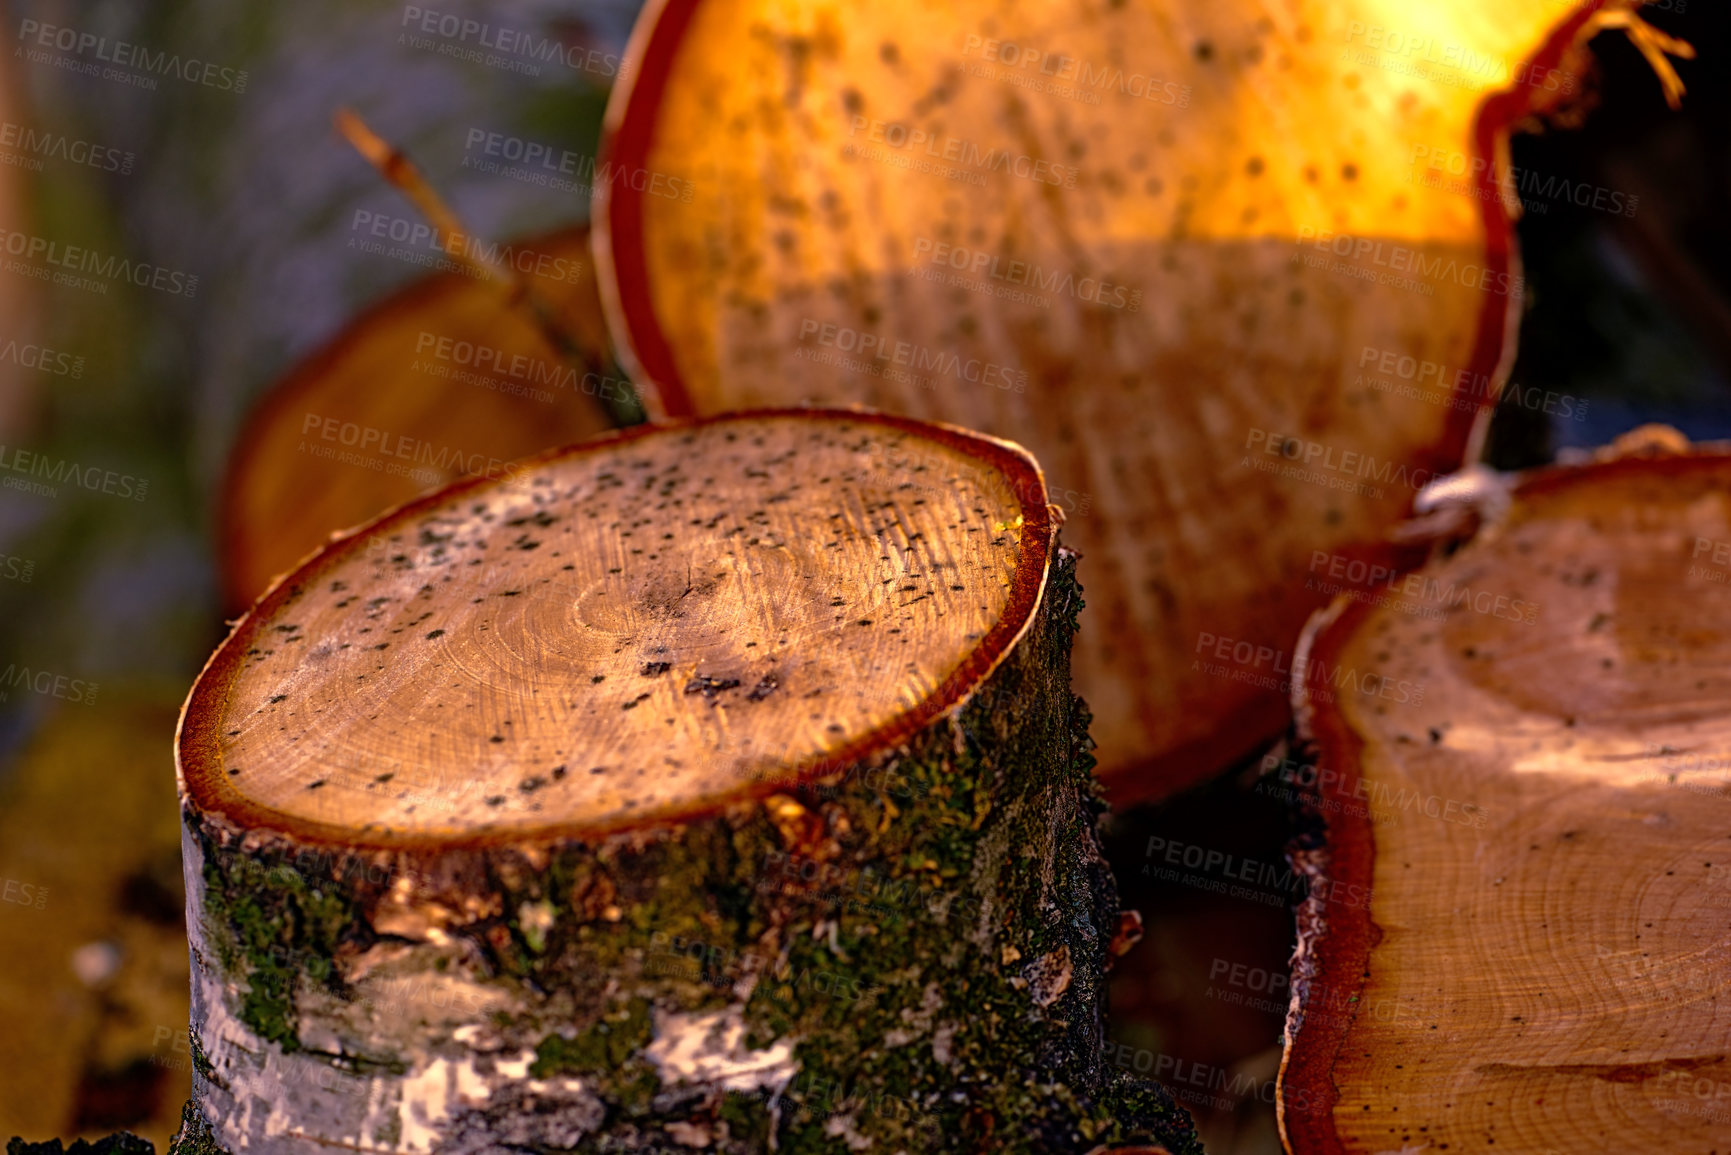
(496, 738)
(709, 687)
(655, 669)
(383, 778)
(315, 785)
(766, 686)
(496, 800)
(435, 634)
(530, 785)
(558, 773)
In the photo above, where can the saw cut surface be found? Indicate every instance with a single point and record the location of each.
(624, 629)
(1528, 941)
(1238, 273)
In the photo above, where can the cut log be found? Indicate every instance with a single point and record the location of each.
(713, 785)
(1239, 277)
(450, 376)
(1519, 924)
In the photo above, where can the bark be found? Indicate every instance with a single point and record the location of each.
(119, 1143)
(1514, 775)
(900, 947)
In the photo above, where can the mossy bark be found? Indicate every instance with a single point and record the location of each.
(905, 955)
(119, 1143)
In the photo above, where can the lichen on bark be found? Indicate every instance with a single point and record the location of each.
(907, 954)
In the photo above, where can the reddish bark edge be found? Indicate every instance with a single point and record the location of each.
(197, 754)
(1341, 940)
(623, 270)
(267, 414)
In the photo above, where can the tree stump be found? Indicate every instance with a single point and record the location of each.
(1519, 926)
(714, 785)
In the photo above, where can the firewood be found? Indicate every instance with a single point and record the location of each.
(716, 784)
(1240, 279)
(1516, 765)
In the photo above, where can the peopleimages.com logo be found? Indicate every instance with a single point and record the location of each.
(978, 262)
(29, 464)
(76, 259)
(1322, 459)
(34, 146)
(38, 39)
(914, 356)
(512, 49)
(396, 453)
(1430, 597)
(965, 152)
(419, 238)
(1269, 668)
(1042, 71)
(24, 894)
(1447, 62)
(538, 163)
(46, 683)
(1396, 259)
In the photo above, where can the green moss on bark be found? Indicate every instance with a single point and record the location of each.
(194, 1137)
(931, 929)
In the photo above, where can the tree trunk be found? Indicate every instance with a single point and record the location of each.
(1517, 761)
(717, 785)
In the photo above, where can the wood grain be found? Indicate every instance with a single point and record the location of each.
(633, 626)
(1151, 241)
(1520, 929)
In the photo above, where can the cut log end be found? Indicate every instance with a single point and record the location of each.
(1207, 460)
(639, 626)
(1520, 754)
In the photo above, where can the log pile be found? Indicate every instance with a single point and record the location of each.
(1187, 253)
